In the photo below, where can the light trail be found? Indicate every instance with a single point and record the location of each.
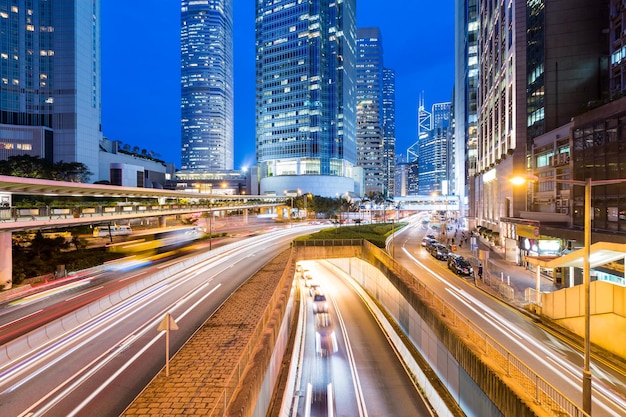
(47, 293)
(19, 371)
(506, 328)
(356, 382)
(20, 319)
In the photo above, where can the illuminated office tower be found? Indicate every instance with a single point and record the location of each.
(369, 109)
(389, 130)
(465, 105)
(50, 80)
(306, 103)
(534, 75)
(207, 104)
(434, 152)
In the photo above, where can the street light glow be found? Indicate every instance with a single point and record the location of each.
(523, 179)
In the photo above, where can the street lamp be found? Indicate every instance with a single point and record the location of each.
(588, 183)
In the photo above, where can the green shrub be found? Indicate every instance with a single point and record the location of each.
(374, 233)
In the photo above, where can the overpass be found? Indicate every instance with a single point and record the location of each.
(139, 203)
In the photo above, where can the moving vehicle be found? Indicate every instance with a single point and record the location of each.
(112, 230)
(157, 241)
(308, 279)
(325, 338)
(320, 304)
(459, 265)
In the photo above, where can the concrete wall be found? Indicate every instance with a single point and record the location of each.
(477, 387)
(607, 308)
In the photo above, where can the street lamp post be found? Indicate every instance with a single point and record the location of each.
(290, 195)
(211, 218)
(587, 183)
(587, 302)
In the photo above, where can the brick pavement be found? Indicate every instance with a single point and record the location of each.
(205, 372)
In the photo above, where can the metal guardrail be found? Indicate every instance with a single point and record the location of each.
(328, 242)
(17, 213)
(543, 393)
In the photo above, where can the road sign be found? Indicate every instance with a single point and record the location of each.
(168, 323)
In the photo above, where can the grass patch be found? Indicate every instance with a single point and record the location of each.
(375, 233)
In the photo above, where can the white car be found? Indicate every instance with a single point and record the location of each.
(308, 279)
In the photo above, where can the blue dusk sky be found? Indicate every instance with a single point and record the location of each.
(141, 68)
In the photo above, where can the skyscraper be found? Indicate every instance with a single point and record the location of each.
(434, 158)
(369, 109)
(50, 80)
(207, 103)
(617, 46)
(306, 112)
(465, 102)
(389, 130)
(534, 74)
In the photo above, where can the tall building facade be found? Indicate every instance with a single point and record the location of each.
(369, 109)
(465, 104)
(389, 130)
(535, 74)
(617, 45)
(207, 85)
(50, 103)
(306, 96)
(434, 158)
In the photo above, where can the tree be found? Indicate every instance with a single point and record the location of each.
(70, 171)
(27, 166)
(42, 246)
(24, 166)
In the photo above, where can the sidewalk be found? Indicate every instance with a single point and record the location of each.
(503, 278)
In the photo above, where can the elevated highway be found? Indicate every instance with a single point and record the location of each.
(144, 202)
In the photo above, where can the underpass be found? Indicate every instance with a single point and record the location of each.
(450, 349)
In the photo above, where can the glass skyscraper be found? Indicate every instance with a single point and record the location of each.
(389, 130)
(50, 80)
(207, 103)
(306, 103)
(434, 157)
(369, 112)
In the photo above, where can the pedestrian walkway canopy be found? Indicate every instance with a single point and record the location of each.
(602, 253)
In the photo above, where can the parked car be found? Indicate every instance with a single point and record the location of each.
(439, 251)
(459, 265)
(430, 243)
(426, 241)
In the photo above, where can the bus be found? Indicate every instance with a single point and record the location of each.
(156, 241)
(112, 230)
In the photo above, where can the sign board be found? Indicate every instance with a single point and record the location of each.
(168, 319)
